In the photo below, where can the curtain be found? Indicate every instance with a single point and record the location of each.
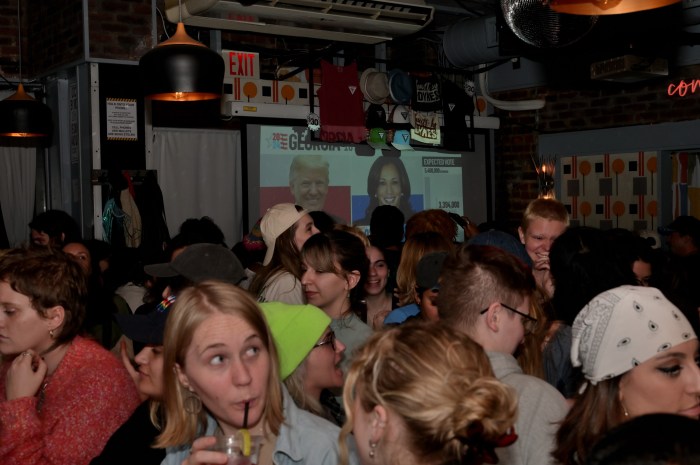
(17, 187)
(199, 173)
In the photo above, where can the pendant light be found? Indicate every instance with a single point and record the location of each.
(182, 69)
(20, 114)
(606, 7)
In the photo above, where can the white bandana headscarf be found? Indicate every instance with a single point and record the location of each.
(624, 327)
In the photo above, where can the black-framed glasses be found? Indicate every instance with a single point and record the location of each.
(528, 320)
(329, 339)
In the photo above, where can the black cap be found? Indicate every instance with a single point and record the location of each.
(376, 117)
(504, 241)
(428, 270)
(199, 262)
(685, 225)
(146, 329)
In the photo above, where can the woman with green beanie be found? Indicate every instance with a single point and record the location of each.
(309, 356)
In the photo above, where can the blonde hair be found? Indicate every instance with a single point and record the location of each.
(305, 401)
(438, 382)
(194, 305)
(414, 248)
(548, 209)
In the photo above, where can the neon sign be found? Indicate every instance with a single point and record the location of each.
(682, 88)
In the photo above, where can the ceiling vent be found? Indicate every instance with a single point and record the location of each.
(629, 68)
(367, 22)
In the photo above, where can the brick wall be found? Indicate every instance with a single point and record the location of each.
(53, 33)
(572, 109)
(120, 29)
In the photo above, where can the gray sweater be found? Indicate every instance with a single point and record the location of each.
(540, 409)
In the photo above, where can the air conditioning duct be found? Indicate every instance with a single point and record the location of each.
(367, 22)
(471, 42)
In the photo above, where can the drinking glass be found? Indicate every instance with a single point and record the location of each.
(232, 446)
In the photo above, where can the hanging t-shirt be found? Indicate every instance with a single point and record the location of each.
(427, 95)
(340, 99)
(457, 106)
(426, 128)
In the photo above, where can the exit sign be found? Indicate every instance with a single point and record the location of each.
(241, 64)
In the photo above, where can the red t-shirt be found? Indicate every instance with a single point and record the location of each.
(340, 99)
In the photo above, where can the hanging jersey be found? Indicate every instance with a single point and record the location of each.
(340, 99)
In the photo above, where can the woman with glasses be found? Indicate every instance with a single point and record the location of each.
(309, 355)
(335, 267)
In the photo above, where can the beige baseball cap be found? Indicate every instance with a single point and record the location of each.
(277, 220)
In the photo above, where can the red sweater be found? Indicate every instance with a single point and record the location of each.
(87, 398)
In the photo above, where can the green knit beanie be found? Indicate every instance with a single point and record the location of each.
(295, 329)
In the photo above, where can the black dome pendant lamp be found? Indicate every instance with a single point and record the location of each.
(23, 116)
(182, 69)
(20, 114)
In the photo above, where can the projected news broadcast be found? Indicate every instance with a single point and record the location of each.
(344, 181)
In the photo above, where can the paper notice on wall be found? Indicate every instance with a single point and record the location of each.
(121, 119)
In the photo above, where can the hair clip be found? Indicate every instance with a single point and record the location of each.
(165, 304)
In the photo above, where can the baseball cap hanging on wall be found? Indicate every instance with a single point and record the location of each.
(400, 117)
(374, 86)
(400, 86)
(402, 140)
(376, 116)
(377, 139)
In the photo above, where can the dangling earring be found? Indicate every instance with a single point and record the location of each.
(624, 410)
(51, 333)
(192, 404)
(372, 446)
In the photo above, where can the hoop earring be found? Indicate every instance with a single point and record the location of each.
(372, 446)
(192, 404)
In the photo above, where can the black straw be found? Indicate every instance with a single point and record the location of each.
(245, 415)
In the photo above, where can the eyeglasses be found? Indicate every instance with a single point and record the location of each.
(329, 339)
(528, 321)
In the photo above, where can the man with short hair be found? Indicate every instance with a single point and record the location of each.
(308, 181)
(682, 272)
(485, 293)
(683, 235)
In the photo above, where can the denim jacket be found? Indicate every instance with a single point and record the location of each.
(304, 439)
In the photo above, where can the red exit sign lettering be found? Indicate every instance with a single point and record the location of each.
(241, 64)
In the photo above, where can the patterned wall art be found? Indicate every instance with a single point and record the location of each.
(685, 184)
(616, 190)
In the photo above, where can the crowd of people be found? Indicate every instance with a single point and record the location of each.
(553, 344)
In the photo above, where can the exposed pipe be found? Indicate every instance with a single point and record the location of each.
(520, 105)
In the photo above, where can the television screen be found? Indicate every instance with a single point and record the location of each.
(286, 164)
